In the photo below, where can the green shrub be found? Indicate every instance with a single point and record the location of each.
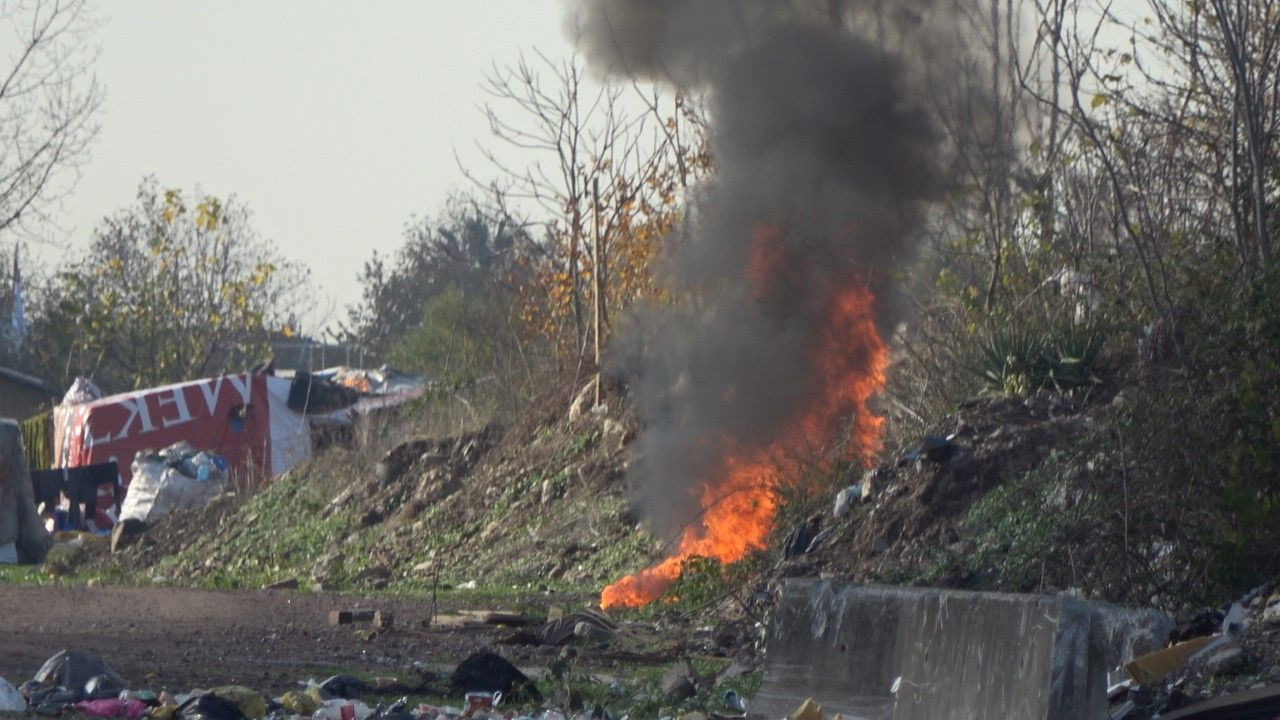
(1018, 359)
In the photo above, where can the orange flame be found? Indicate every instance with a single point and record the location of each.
(740, 500)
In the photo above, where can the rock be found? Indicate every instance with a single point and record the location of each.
(1225, 662)
(677, 683)
(126, 532)
(326, 565)
(584, 400)
(548, 491)
(286, 584)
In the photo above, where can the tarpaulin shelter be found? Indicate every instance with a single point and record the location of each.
(245, 418)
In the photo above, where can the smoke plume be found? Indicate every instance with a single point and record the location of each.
(826, 160)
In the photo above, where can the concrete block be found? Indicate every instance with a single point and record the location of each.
(951, 654)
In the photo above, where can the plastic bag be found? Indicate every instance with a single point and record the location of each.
(73, 669)
(81, 391)
(113, 708)
(209, 707)
(171, 481)
(339, 709)
(10, 699)
(301, 703)
(250, 702)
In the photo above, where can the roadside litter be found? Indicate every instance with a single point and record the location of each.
(10, 699)
(80, 681)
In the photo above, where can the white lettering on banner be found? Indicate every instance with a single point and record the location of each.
(102, 440)
(177, 399)
(211, 390)
(137, 407)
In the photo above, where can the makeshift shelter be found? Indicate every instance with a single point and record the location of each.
(22, 534)
(245, 418)
(22, 395)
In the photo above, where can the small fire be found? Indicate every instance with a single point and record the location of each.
(740, 499)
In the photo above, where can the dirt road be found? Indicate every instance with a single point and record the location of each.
(175, 639)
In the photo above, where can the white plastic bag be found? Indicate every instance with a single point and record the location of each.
(81, 391)
(10, 699)
(332, 710)
(157, 490)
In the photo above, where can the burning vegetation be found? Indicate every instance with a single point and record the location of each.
(825, 158)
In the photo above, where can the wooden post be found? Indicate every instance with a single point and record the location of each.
(598, 274)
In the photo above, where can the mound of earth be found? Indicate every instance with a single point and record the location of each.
(539, 503)
(916, 503)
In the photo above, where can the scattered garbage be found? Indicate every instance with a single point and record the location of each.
(804, 538)
(10, 699)
(934, 448)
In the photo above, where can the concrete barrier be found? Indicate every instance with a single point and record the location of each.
(952, 655)
(20, 527)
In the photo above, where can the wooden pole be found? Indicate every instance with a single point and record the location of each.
(598, 274)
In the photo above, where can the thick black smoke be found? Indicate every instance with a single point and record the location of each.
(821, 136)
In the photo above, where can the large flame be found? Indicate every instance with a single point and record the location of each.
(740, 499)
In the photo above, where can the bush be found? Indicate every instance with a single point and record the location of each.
(1020, 359)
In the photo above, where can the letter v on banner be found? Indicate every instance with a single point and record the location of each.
(212, 389)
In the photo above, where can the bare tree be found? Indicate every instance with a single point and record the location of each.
(602, 160)
(49, 97)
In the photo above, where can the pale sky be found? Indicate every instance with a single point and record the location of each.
(334, 121)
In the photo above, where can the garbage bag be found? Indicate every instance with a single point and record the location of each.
(251, 703)
(102, 687)
(10, 699)
(209, 707)
(489, 672)
(300, 703)
(38, 694)
(348, 687)
(73, 669)
(175, 479)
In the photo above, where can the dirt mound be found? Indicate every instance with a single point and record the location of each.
(916, 503)
(538, 503)
(176, 531)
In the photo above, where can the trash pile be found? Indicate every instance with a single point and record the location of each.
(80, 681)
(484, 686)
(1219, 663)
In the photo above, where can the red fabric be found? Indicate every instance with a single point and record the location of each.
(204, 413)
